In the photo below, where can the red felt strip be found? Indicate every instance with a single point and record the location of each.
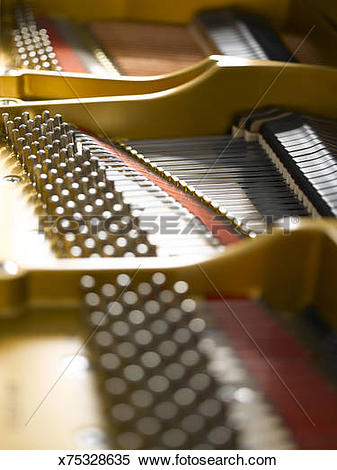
(291, 361)
(208, 217)
(67, 57)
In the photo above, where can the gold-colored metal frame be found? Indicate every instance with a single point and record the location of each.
(204, 105)
(310, 23)
(28, 85)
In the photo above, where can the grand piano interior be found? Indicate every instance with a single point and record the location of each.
(168, 244)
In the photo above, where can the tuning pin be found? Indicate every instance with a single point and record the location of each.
(79, 160)
(101, 175)
(22, 130)
(10, 128)
(77, 172)
(62, 169)
(46, 165)
(42, 141)
(70, 207)
(35, 147)
(43, 129)
(59, 184)
(25, 117)
(31, 163)
(21, 144)
(92, 179)
(45, 116)
(71, 164)
(38, 121)
(29, 138)
(86, 154)
(58, 119)
(70, 150)
(94, 163)
(52, 202)
(64, 141)
(41, 179)
(30, 125)
(81, 199)
(48, 150)
(64, 128)
(36, 133)
(25, 154)
(57, 133)
(16, 136)
(55, 158)
(50, 125)
(70, 136)
(63, 155)
(41, 155)
(86, 167)
(46, 65)
(56, 146)
(5, 118)
(49, 136)
(17, 122)
(51, 199)
(74, 189)
(68, 179)
(52, 175)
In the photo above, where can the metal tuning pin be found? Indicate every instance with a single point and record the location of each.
(102, 184)
(31, 44)
(159, 393)
(71, 183)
